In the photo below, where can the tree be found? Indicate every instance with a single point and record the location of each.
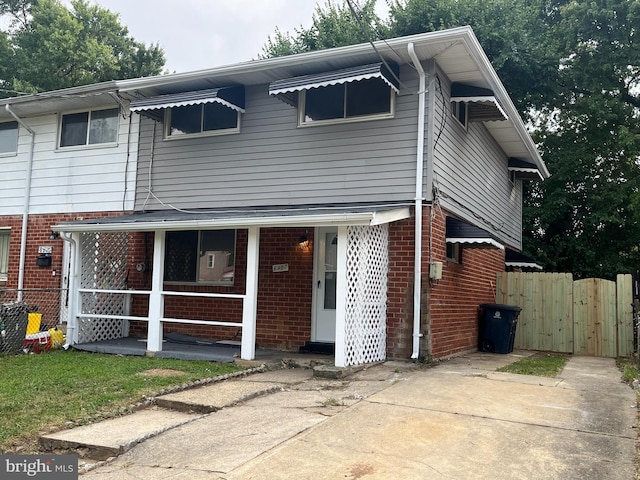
(333, 26)
(55, 47)
(585, 219)
(572, 68)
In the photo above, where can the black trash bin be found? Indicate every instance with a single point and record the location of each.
(13, 327)
(497, 330)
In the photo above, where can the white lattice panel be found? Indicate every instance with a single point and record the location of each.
(366, 294)
(104, 266)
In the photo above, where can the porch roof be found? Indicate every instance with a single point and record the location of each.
(287, 216)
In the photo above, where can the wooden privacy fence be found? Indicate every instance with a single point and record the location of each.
(592, 316)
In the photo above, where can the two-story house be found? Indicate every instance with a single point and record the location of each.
(64, 155)
(359, 198)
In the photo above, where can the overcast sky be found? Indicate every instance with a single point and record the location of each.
(198, 34)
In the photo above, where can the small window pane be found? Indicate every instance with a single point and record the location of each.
(185, 120)
(104, 126)
(181, 256)
(74, 129)
(8, 137)
(324, 103)
(368, 97)
(217, 256)
(219, 117)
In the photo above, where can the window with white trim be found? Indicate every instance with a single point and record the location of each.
(5, 235)
(8, 137)
(204, 119)
(200, 256)
(89, 128)
(352, 101)
(459, 112)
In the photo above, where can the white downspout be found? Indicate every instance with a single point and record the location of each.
(417, 284)
(27, 201)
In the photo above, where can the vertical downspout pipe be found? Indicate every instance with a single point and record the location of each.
(27, 200)
(417, 285)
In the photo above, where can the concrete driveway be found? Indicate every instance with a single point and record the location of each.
(459, 420)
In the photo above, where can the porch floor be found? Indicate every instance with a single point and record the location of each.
(213, 352)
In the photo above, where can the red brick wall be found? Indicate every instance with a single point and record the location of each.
(449, 307)
(38, 231)
(284, 298)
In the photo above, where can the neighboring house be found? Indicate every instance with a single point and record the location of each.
(64, 155)
(293, 201)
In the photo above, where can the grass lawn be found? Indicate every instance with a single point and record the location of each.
(42, 392)
(540, 364)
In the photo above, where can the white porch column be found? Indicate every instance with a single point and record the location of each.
(341, 298)
(156, 299)
(250, 302)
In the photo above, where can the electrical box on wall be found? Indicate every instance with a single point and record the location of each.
(435, 270)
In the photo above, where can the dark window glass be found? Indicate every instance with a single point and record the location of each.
(74, 129)
(186, 120)
(206, 256)
(324, 103)
(368, 97)
(219, 117)
(352, 99)
(181, 256)
(8, 137)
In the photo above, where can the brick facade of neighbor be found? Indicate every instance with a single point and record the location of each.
(38, 231)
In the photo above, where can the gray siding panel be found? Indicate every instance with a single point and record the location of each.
(470, 170)
(273, 162)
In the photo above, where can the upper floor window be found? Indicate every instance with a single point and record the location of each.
(89, 128)
(207, 118)
(364, 92)
(206, 256)
(8, 137)
(459, 112)
(370, 98)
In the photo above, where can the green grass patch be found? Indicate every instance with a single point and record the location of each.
(40, 392)
(629, 369)
(541, 365)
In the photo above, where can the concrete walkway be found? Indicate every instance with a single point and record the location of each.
(459, 420)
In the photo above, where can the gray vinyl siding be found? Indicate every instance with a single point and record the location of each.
(274, 162)
(470, 171)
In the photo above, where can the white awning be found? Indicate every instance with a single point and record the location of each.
(232, 97)
(524, 170)
(482, 103)
(286, 87)
(464, 233)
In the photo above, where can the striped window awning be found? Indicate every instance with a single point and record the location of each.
(232, 97)
(464, 233)
(287, 88)
(524, 170)
(519, 260)
(483, 106)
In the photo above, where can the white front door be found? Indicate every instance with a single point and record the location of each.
(325, 276)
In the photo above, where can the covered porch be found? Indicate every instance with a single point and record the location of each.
(108, 303)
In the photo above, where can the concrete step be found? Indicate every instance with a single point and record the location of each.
(113, 437)
(214, 397)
